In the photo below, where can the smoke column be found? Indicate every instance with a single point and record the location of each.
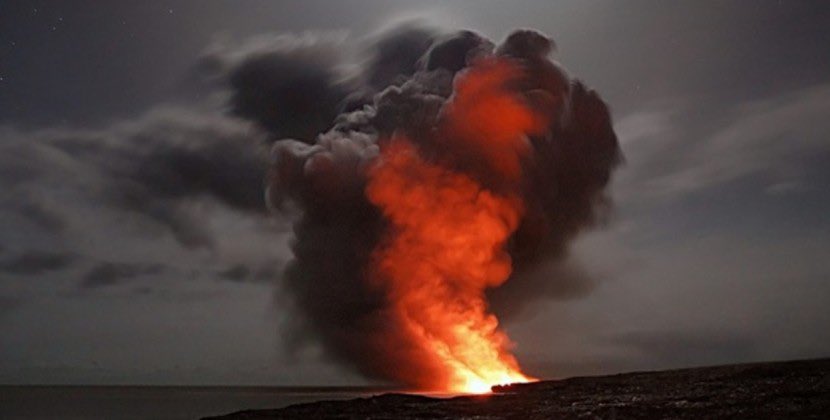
(455, 170)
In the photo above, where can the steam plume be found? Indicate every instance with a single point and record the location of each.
(519, 145)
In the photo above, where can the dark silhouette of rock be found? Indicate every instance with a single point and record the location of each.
(798, 389)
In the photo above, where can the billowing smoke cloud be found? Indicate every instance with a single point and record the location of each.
(290, 86)
(411, 88)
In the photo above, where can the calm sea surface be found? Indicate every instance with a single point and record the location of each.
(154, 402)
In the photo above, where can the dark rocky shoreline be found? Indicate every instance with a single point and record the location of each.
(797, 389)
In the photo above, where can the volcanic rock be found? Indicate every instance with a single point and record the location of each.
(797, 389)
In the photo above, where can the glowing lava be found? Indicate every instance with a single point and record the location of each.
(447, 235)
(446, 249)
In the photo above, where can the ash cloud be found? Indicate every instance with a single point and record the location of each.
(321, 179)
(40, 214)
(247, 273)
(8, 304)
(291, 86)
(156, 167)
(33, 262)
(394, 55)
(111, 273)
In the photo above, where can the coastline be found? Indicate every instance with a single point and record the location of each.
(772, 389)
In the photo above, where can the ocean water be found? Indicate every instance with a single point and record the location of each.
(156, 402)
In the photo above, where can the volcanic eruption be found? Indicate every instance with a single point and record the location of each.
(454, 169)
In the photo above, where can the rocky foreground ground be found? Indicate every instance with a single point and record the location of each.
(799, 389)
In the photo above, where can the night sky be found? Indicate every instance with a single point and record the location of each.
(122, 262)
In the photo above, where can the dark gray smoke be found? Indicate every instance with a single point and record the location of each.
(34, 262)
(108, 273)
(403, 89)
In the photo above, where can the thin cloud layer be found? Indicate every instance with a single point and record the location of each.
(33, 262)
(109, 274)
(153, 167)
(781, 139)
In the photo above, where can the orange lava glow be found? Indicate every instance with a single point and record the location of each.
(485, 115)
(447, 248)
(448, 233)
